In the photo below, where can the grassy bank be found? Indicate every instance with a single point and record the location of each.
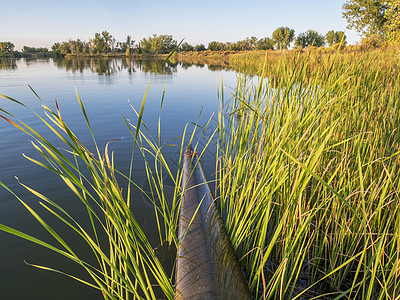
(307, 181)
(308, 175)
(316, 59)
(207, 56)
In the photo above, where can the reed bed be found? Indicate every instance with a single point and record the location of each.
(126, 265)
(253, 62)
(307, 178)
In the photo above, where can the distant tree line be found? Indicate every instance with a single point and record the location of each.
(281, 38)
(33, 50)
(105, 43)
(7, 49)
(250, 43)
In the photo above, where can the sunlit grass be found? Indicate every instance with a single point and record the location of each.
(308, 179)
(127, 266)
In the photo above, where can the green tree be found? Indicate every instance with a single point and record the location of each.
(55, 47)
(167, 43)
(98, 43)
(216, 46)
(126, 47)
(309, 38)
(79, 46)
(247, 44)
(108, 40)
(282, 37)
(366, 16)
(334, 37)
(113, 44)
(73, 47)
(231, 46)
(158, 44)
(129, 45)
(315, 39)
(61, 49)
(265, 44)
(199, 47)
(103, 42)
(65, 48)
(251, 42)
(301, 40)
(85, 47)
(150, 45)
(6, 47)
(33, 50)
(186, 47)
(392, 15)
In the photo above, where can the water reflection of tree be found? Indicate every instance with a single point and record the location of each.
(187, 65)
(33, 60)
(103, 66)
(217, 68)
(128, 65)
(156, 66)
(213, 63)
(95, 65)
(109, 66)
(8, 64)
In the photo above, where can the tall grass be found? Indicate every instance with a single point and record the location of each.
(308, 178)
(126, 264)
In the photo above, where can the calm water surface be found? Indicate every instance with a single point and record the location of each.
(108, 88)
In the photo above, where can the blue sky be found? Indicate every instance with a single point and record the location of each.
(43, 22)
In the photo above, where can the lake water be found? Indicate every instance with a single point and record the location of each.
(108, 88)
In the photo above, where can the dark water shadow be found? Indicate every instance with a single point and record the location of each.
(110, 66)
(7, 63)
